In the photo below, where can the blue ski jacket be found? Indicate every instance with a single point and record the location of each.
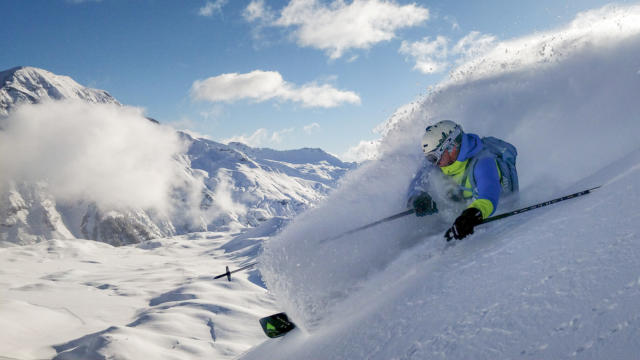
(485, 194)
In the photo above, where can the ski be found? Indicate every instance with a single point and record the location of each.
(276, 325)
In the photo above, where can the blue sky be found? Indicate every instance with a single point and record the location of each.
(279, 74)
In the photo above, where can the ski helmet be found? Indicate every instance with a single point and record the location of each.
(440, 137)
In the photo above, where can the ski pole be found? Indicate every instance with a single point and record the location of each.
(532, 207)
(449, 236)
(392, 217)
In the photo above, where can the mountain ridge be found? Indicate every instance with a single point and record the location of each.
(26, 84)
(224, 186)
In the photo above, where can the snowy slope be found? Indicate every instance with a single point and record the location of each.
(31, 85)
(558, 282)
(263, 183)
(82, 299)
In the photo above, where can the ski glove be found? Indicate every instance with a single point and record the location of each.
(464, 224)
(424, 205)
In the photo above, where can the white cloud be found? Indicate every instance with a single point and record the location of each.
(261, 16)
(212, 7)
(430, 56)
(277, 136)
(474, 44)
(338, 27)
(309, 129)
(261, 137)
(258, 138)
(257, 10)
(261, 86)
(104, 153)
(454, 23)
(365, 150)
(434, 56)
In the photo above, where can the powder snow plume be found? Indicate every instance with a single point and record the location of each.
(567, 99)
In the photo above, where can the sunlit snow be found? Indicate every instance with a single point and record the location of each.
(558, 282)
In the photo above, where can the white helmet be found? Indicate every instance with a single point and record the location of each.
(446, 133)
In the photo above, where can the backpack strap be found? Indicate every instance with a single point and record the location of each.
(505, 167)
(468, 175)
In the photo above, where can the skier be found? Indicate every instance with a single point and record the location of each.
(482, 171)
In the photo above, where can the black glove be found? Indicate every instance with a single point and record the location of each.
(424, 205)
(464, 224)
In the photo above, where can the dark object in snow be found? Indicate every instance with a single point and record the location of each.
(276, 325)
(228, 273)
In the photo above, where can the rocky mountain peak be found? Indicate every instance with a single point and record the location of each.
(25, 84)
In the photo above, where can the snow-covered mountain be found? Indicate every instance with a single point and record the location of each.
(31, 85)
(267, 183)
(559, 282)
(219, 187)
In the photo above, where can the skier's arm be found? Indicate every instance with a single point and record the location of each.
(488, 187)
(419, 183)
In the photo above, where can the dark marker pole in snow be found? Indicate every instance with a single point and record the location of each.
(228, 273)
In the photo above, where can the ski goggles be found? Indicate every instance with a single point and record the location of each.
(448, 144)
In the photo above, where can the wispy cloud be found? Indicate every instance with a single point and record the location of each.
(261, 137)
(261, 86)
(309, 129)
(430, 55)
(434, 56)
(264, 137)
(212, 7)
(364, 150)
(277, 137)
(339, 27)
(258, 138)
(258, 11)
(474, 44)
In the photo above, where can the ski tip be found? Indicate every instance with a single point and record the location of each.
(276, 325)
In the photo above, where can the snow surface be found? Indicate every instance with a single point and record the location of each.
(558, 282)
(82, 299)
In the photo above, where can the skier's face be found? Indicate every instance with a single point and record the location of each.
(449, 157)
